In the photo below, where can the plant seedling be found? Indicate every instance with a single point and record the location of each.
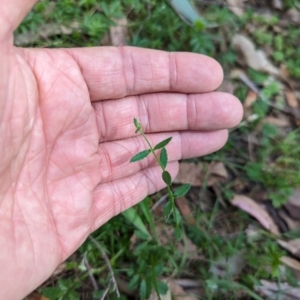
(171, 213)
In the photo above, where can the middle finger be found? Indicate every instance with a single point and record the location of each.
(161, 112)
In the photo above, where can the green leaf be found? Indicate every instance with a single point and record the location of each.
(144, 206)
(167, 210)
(141, 155)
(162, 287)
(136, 123)
(158, 269)
(182, 190)
(141, 235)
(143, 289)
(133, 284)
(52, 293)
(167, 177)
(254, 171)
(163, 157)
(132, 216)
(64, 284)
(281, 196)
(177, 233)
(70, 265)
(73, 295)
(187, 12)
(235, 286)
(177, 216)
(98, 294)
(163, 144)
(142, 247)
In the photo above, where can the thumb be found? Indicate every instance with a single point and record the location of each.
(11, 15)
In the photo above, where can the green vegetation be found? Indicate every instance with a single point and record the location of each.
(262, 158)
(171, 213)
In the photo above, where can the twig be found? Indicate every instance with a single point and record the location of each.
(251, 85)
(113, 280)
(188, 283)
(159, 202)
(107, 289)
(91, 275)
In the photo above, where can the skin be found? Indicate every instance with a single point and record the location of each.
(67, 137)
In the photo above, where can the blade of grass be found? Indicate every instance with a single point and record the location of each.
(144, 206)
(132, 217)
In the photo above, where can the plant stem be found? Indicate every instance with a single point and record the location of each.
(151, 148)
(171, 195)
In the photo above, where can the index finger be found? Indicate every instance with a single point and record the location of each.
(112, 72)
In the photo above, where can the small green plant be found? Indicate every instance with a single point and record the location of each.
(65, 289)
(171, 213)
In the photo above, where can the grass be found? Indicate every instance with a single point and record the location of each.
(139, 254)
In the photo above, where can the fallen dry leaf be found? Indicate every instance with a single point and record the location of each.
(293, 15)
(290, 262)
(118, 32)
(192, 287)
(241, 75)
(60, 269)
(228, 266)
(291, 99)
(226, 86)
(292, 246)
(49, 9)
(179, 293)
(188, 283)
(281, 121)
(255, 59)
(36, 296)
(252, 208)
(236, 6)
(45, 32)
(185, 210)
(218, 168)
(201, 173)
(167, 296)
(175, 290)
(191, 173)
(272, 290)
(293, 204)
(277, 4)
(123, 287)
(291, 223)
(250, 99)
(284, 72)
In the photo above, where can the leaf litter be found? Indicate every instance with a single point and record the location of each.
(201, 173)
(255, 210)
(255, 59)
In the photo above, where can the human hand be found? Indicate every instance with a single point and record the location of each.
(67, 135)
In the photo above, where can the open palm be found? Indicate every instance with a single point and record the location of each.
(67, 137)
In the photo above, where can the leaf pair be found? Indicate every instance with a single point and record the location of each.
(143, 154)
(170, 206)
